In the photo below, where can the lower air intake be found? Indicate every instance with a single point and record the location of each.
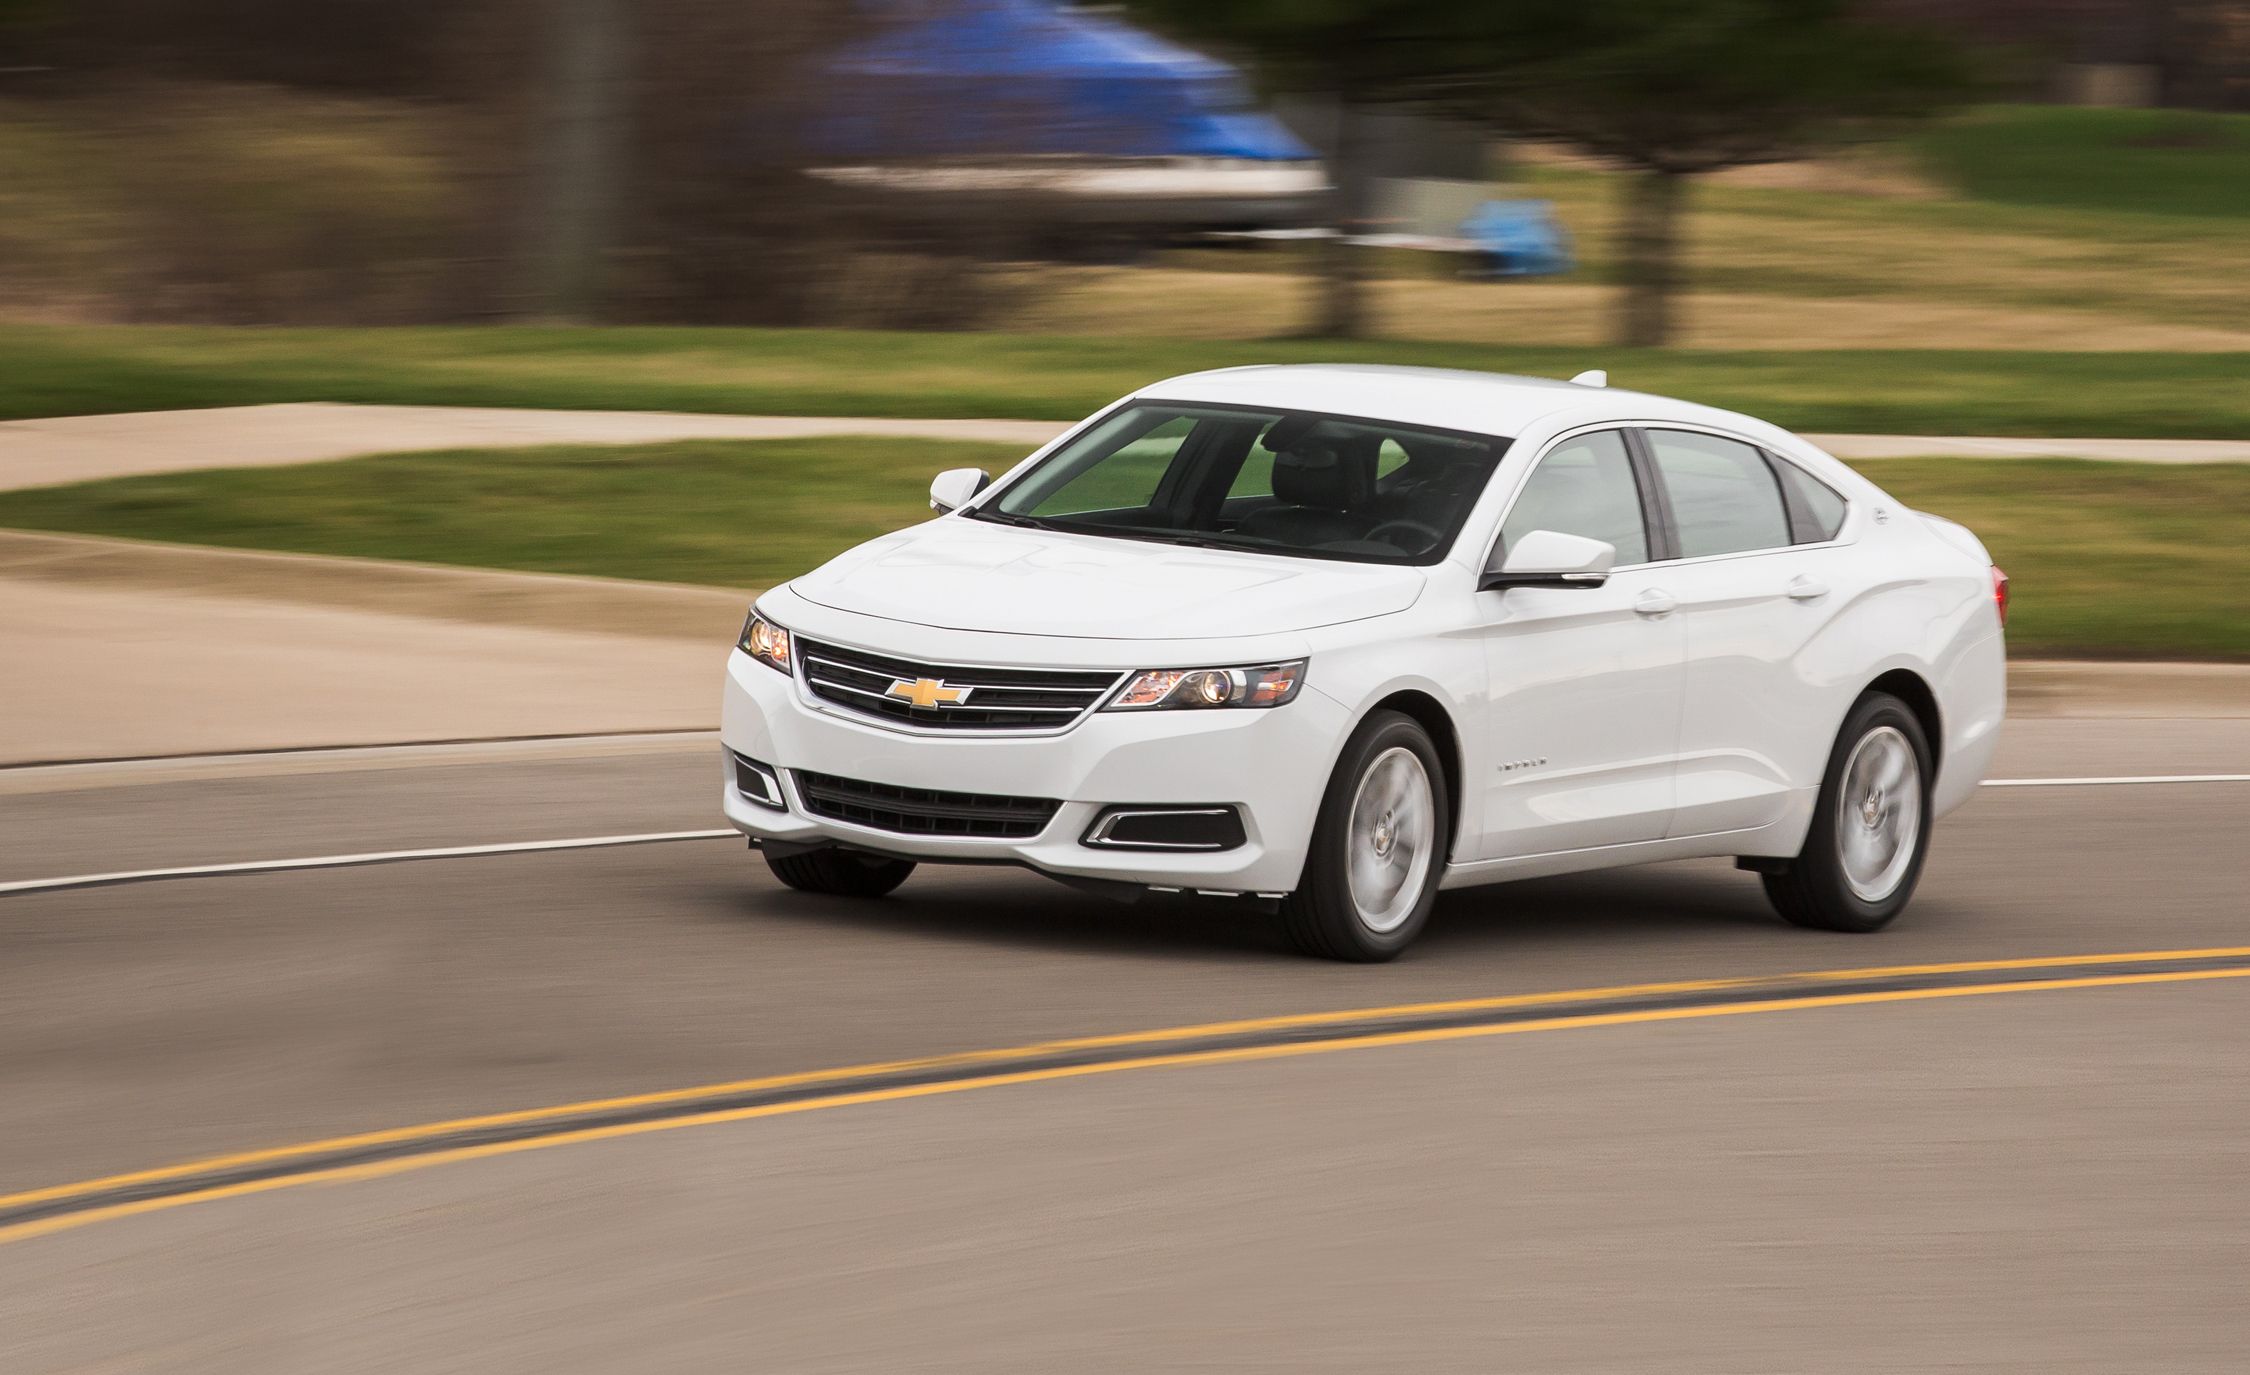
(924, 811)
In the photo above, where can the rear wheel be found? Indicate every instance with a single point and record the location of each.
(1870, 828)
(840, 873)
(1378, 846)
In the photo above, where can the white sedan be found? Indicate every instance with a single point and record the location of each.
(1338, 637)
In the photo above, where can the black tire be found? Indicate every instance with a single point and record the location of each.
(1815, 890)
(840, 873)
(1322, 917)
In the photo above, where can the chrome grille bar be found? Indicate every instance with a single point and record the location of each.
(1035, 700)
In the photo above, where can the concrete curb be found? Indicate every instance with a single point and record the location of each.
(2119, 688)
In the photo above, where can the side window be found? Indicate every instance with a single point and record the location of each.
(1819, 506)
(1724, 497)
(1584, 486)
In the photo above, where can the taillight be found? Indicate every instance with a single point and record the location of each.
(2000, 593)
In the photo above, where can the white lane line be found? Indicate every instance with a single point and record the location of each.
(265, 866)
(519, 847)
(2108, 782)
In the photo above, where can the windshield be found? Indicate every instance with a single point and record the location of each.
(1273, 481)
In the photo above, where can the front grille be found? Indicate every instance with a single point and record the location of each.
(999, 699)
(923, 811)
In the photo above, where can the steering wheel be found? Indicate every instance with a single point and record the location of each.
(1430, 534)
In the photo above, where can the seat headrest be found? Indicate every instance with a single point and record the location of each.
(1322, 474)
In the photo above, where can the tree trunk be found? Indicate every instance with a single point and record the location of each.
(576, 200)
(1649, 261)
(1342, 307)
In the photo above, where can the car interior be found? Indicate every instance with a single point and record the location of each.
(1301, 483)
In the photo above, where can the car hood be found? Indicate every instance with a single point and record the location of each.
(963, 574)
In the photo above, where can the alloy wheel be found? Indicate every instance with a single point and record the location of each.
(1392, 839)
(1879, 813)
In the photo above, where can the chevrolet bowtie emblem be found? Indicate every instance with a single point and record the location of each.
(927, 692)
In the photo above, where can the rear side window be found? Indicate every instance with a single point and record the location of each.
(1584, 486)
(1819, 507)
(1724, 496)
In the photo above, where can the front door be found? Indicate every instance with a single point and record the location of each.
(1583, 715)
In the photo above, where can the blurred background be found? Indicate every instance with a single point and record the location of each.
(1862, 172)
(400, 402)
(1975, 219)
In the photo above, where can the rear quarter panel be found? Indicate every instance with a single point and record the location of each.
(1927, 607)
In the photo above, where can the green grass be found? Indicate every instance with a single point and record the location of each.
(2166, 162)
(729, 512)
(2127, 264)
(75, 370)
(2108, 558)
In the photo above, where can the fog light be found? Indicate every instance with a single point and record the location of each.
(1166, 828)
(759, 783)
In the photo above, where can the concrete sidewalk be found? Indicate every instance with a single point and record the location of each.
(40, 453)
(43, 453)
(113, 672)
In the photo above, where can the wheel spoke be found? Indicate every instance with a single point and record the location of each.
(1394, 785)
(1403, 854)
(1891, 767)
(1367, 874)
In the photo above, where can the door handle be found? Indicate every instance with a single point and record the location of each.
(1655, 602)
(1804, 589)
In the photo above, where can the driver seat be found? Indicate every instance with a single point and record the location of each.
(1323, 490)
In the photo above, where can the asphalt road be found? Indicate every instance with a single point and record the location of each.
(2048, 1180)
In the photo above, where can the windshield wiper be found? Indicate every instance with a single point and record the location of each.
(999, 517)
(1071, 527)
(1146, 536)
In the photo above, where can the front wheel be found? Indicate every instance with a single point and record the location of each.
(1378, 846)
(1870, 828)
(840, 873)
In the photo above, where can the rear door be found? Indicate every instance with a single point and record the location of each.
(1583, 713)
(1757, 586)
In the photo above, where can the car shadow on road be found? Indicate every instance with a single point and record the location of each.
(1650, 902)
(1023, 911)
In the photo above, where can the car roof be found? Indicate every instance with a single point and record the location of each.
(1491, 403)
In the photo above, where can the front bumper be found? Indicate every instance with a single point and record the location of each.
(1272, 764)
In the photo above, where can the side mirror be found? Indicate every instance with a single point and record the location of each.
(1549, 558)
(953, 488)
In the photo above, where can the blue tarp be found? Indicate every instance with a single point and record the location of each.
(986, 78)
(1519, 238)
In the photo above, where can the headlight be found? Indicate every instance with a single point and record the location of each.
(1165, 688)
(766, 642)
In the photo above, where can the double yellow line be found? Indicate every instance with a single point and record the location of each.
(370, 1155)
